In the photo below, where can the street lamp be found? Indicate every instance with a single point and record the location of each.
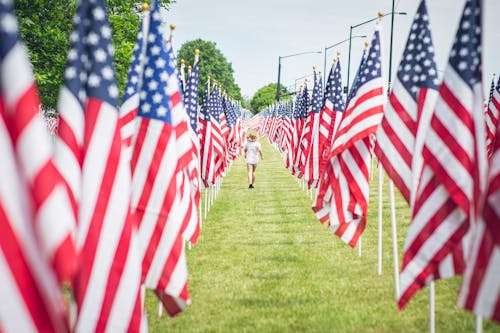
(278, 92)
(380, 15)
(336, 44)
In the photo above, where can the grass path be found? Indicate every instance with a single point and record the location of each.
(263, 263)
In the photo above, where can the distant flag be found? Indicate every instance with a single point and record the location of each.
(480, 292)
(191, 96)
(37, 250)
(454, 167)
(161, 196)
(128, 109)
(407, 115)
(311, 153)
(351, 151)
(89, 153)
(331, 116)
(218, 137)
(206, 134)
(333, 108)
(492, 115)
(191, 104)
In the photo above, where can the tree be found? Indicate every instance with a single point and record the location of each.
(213, 64)
(266, 96)
(45, 26)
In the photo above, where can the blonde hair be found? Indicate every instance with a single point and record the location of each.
(252, 137)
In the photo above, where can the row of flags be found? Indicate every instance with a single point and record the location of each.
(90, 220)
(437, 142)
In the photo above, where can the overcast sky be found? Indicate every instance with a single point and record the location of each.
(253, 34)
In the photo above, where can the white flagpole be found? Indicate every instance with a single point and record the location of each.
(359, 246)
(206, 201)
(479, 324)
(394, 238)
(160, 309)
(212, 194)
(432, 304)
(380, 207)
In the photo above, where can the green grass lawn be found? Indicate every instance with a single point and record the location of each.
(264, 263)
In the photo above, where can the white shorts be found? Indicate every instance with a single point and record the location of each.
(252, 161)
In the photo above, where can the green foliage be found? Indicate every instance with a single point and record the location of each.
(266, 96)
(213, 64)
(45, 26)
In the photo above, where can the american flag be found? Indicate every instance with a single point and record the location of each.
(302, 111)
(36, 245)
(350, 160)
(492, 115)
(234, 137)
(161, 195)
(311, 152)
(333, 108)
(191, 95)
(89, 154)
(480, 292)
(128, 109)
(454, 167)
(206, 133)
(331, 116)
(219, 140)
(191, 104)
(323, 202)
(407, 115)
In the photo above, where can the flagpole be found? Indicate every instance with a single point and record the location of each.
(380, 206)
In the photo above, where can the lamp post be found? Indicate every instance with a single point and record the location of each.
(336, 44)
(380, 16)
(278, 92)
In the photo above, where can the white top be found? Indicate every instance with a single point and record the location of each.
(252, 152)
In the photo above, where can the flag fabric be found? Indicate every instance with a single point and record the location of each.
(128, 109)
(206, 134)
(302, 111)
(351, 152)
(480, 291)
(161, 154)
(191, 104)
(454, 167)
(331, 116)
(218, 131)
(311, 152)
(37, 249)
(492, 115)
(89, 154)
(407, 114)
(331, 112)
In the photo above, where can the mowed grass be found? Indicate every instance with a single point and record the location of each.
(264, 263)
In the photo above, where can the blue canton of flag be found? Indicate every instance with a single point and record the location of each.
(155, 99)
(191, 97)
(306, 102)
(90, 71)
(418, 68)
(134, 71)
(333, 90)
(465, 57)
(357, 82)
(215, 105)
(316, 96)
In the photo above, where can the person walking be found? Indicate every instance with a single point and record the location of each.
(252, 151)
